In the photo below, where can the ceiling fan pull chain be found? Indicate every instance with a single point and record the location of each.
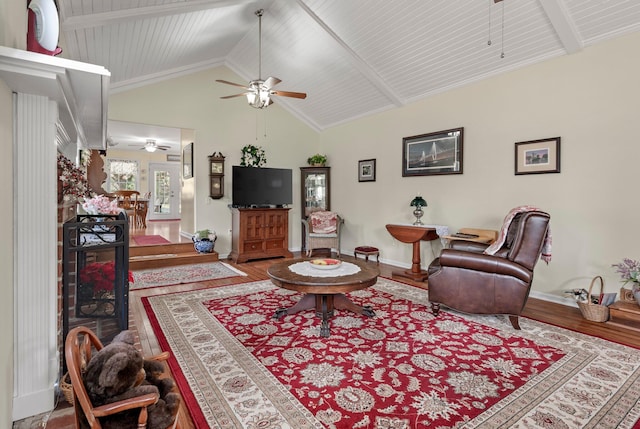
(502, 36)
(265, 124)
(489, 36)
(259, 14)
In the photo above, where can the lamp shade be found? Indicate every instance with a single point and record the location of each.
(418, 201)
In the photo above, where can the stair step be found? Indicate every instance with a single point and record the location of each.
(170, 260)
(167, 255)
(158, 249)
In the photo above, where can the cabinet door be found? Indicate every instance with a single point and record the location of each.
(315, 182)
(276, 224)
(253, 225)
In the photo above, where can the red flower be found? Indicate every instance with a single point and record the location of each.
(101, 275)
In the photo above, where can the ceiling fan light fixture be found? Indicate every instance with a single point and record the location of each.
(150, 146)
(259, 96)
(259, 100)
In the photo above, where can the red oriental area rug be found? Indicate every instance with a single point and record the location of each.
(238, 367)
(149, 240)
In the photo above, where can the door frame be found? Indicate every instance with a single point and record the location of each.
(176, 188)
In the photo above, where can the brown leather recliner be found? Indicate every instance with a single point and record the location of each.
(465, 279)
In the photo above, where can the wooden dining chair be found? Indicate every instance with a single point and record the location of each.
(79, 344)
(128, 201)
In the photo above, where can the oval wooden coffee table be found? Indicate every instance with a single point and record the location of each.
(323, 293)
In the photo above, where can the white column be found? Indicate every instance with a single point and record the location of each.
(35, 255)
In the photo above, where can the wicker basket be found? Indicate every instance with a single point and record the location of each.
(594, 312)
(66, 388)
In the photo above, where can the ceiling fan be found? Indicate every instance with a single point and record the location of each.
(152, 146)
(259, 91)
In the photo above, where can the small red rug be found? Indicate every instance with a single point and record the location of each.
(149, 240)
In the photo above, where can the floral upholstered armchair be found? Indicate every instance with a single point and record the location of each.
(322, 231)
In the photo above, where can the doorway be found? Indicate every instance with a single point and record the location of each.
(164, 185)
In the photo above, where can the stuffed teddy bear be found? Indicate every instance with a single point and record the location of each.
(118, 371)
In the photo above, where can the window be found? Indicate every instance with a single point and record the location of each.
(123, 175)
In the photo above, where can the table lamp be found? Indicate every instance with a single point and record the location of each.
(418, 202)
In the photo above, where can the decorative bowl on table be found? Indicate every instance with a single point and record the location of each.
(325, 263)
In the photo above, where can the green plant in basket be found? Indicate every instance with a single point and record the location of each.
(317, 159)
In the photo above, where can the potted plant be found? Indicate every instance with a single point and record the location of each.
(253, 156)
(204, 240)
(317, 160)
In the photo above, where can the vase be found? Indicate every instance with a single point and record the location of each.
(203, 245)
(635, 289)
(101, 228)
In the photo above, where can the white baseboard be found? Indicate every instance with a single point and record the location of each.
(554, 298)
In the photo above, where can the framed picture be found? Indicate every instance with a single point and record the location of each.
(433, 153)
(538, 156)
(187, 161)
(367, 170)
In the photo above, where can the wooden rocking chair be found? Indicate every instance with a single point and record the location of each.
(80, 342)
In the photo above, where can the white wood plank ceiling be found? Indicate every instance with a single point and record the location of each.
(352, 57)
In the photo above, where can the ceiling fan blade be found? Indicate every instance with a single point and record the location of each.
(290, 94)
(271, 82)
(231, 83)
(235, 95)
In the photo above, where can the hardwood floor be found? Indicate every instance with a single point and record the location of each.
(556, 314)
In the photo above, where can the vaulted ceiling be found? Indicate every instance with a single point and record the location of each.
(351, 57)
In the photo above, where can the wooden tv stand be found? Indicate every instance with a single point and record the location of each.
(259, 233)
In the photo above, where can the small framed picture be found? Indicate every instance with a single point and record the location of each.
(367, 170)
(538, 156)
(433, 153)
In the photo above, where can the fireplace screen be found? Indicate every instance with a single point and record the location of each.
(96, 274)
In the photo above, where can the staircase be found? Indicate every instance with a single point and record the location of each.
(164, 255)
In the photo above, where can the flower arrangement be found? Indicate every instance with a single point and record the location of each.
(629, 270)
(100, 204)
(101, 276)
(72, 180)
(253, 156)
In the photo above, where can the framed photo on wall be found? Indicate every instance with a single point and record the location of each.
(187, 161)
(538, 156)
(433, 153)
(367, 170)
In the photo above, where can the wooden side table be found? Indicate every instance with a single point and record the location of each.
(413, 235)
(486, 236)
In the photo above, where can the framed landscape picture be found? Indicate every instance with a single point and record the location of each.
(538, 156)
(367, 170)
(433, 153)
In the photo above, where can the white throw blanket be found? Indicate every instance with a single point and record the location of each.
(546, 248)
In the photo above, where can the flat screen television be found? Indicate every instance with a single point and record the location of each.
(261, 187)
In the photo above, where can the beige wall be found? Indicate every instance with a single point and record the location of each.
(590, 99)
(225, 126)
(13, 28)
